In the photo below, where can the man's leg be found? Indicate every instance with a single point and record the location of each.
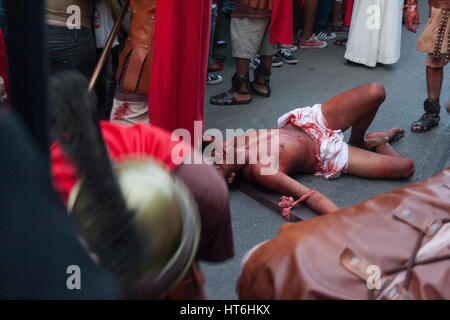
(309, 16)
(385, 164)
(261, 83)
(355, 108)
(434, 82)
(435, 75)
(246, 37)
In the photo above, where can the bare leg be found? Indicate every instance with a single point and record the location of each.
(242, 68)
(337, 12)
(434, 82)
(388, 150)
(431, 117)
(387, 164)
(267, 62)
(354, 108)
(309, 16)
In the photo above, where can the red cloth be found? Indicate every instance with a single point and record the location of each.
(180, 58)
(122, 141)
(4, 64)
(348, 13)
(281, 25)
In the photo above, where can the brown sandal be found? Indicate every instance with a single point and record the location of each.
(266, 73)
(227, 98)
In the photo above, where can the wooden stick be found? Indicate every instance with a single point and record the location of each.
(104, 57)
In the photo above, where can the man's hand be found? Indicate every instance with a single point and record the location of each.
(412, 16)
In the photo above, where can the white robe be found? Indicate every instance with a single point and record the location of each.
(375, 37)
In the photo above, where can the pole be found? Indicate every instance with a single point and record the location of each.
(107, 49)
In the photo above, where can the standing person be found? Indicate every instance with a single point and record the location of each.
(324, 11)
(162, 69)
(305, 37)
(135, 66)
(212, 78)
(375, 32)
(436, 43)
(338, 26)
(74, 47)
(178, 82)
(105, 88)
(254, 26)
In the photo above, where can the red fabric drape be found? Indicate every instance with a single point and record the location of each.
(348, 13)
(281, 25)
(180, 58)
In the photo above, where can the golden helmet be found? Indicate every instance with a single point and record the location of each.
(154, 242)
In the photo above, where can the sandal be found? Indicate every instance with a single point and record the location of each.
(266, 73)
(227, 98)
(341, 42)
(429, 119)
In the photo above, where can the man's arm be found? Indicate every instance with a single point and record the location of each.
(411, 16)
(282, 183)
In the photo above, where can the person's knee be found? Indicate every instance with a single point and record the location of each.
(408, 168)
(377, 92)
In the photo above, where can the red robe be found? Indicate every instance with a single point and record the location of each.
(348, 13)
(281, 24)
(180, 58)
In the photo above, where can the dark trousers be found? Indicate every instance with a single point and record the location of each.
(324, 11)
(71, 49)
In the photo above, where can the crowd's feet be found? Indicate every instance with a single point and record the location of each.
(340, 29)
(325, 35)
(311, 43)
(221, 43)
(256, 62)
(215, 66)
(286, 56)
(213, 79)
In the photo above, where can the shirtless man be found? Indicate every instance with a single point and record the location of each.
(311, 140)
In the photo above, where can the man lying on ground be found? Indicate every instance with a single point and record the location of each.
(311, 141)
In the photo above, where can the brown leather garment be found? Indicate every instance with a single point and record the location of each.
(259, 4)
(135, 63)
(444, 4)
(327, 257)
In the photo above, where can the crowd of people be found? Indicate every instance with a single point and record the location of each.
(263, 34)
(370, 31)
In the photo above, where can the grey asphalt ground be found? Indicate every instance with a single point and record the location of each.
(319, 75)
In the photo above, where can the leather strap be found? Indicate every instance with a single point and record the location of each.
(423, 221)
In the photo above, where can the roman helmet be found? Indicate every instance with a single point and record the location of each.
(154, 241)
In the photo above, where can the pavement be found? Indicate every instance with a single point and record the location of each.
(319, 75)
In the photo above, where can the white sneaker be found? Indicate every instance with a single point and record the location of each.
(212, 79)
(291, 47)
(323, 35)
